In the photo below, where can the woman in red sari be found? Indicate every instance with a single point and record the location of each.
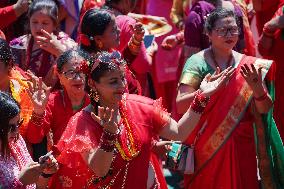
(99, 32)
(225, 144)
(108, 144)
(47, 119)
(142, 63)
(270, 46)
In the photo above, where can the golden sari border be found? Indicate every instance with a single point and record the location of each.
(234, 116)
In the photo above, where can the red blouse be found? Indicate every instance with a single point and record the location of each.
(58, 112)
(146, 118)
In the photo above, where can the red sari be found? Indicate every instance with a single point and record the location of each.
(269, 7)
(276, 54)
(225, 154)
(145, 117)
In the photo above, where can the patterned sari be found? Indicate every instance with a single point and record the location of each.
(226, 146)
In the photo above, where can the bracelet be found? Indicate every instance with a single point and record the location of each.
(261, 98)
(37, 119)
(45, 175)
(199, 103)
(134, 49)
(135, 41)
(107, 141)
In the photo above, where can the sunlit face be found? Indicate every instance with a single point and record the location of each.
(225, 33)
(41, 20)
(71, 78)
(13, 132)
(111, 87)
(4, 70)
(111, 37)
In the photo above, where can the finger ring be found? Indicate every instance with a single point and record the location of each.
(255, 80)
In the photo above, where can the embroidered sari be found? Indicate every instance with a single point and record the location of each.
(226, 147)
(142, 118)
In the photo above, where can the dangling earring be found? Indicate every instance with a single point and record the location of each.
(94, 95)
(100, 45)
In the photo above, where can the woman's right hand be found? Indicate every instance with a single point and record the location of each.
(38, 95)
(170, 42)
(212, 83)
(106, 119)
(30, 173)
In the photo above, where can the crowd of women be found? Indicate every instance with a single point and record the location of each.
(86, 102)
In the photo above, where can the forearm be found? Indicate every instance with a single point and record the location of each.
(263, 101)
(183, 102)
(184, 126)
(100, 161)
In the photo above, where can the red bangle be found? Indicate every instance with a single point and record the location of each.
(261, 98)
(199, 103)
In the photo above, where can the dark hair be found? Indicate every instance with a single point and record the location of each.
(68, 55)
(9, 108)
(6, 56)
(110, 3)
(217, 14)
(94, 23)
(101, 70)
(50, 6)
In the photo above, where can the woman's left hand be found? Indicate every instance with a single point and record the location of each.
(209, 86)
(253, 78)
(50, 43)
(138, 31)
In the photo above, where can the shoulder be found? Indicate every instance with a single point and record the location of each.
(196, 59)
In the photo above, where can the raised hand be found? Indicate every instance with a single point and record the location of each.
(106, 119)
(138, 31)
(212, 83)
(21, 7)
(50, 43)
(38, 95)
(170, 42)
(252, 77)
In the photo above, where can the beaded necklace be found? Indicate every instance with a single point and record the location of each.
(215, 61)
(129, 146)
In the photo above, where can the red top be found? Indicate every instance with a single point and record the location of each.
(7, 15)
(58, 112)
(145, 118)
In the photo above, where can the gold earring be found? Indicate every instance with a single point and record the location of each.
(100, 45)
(94, 95)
